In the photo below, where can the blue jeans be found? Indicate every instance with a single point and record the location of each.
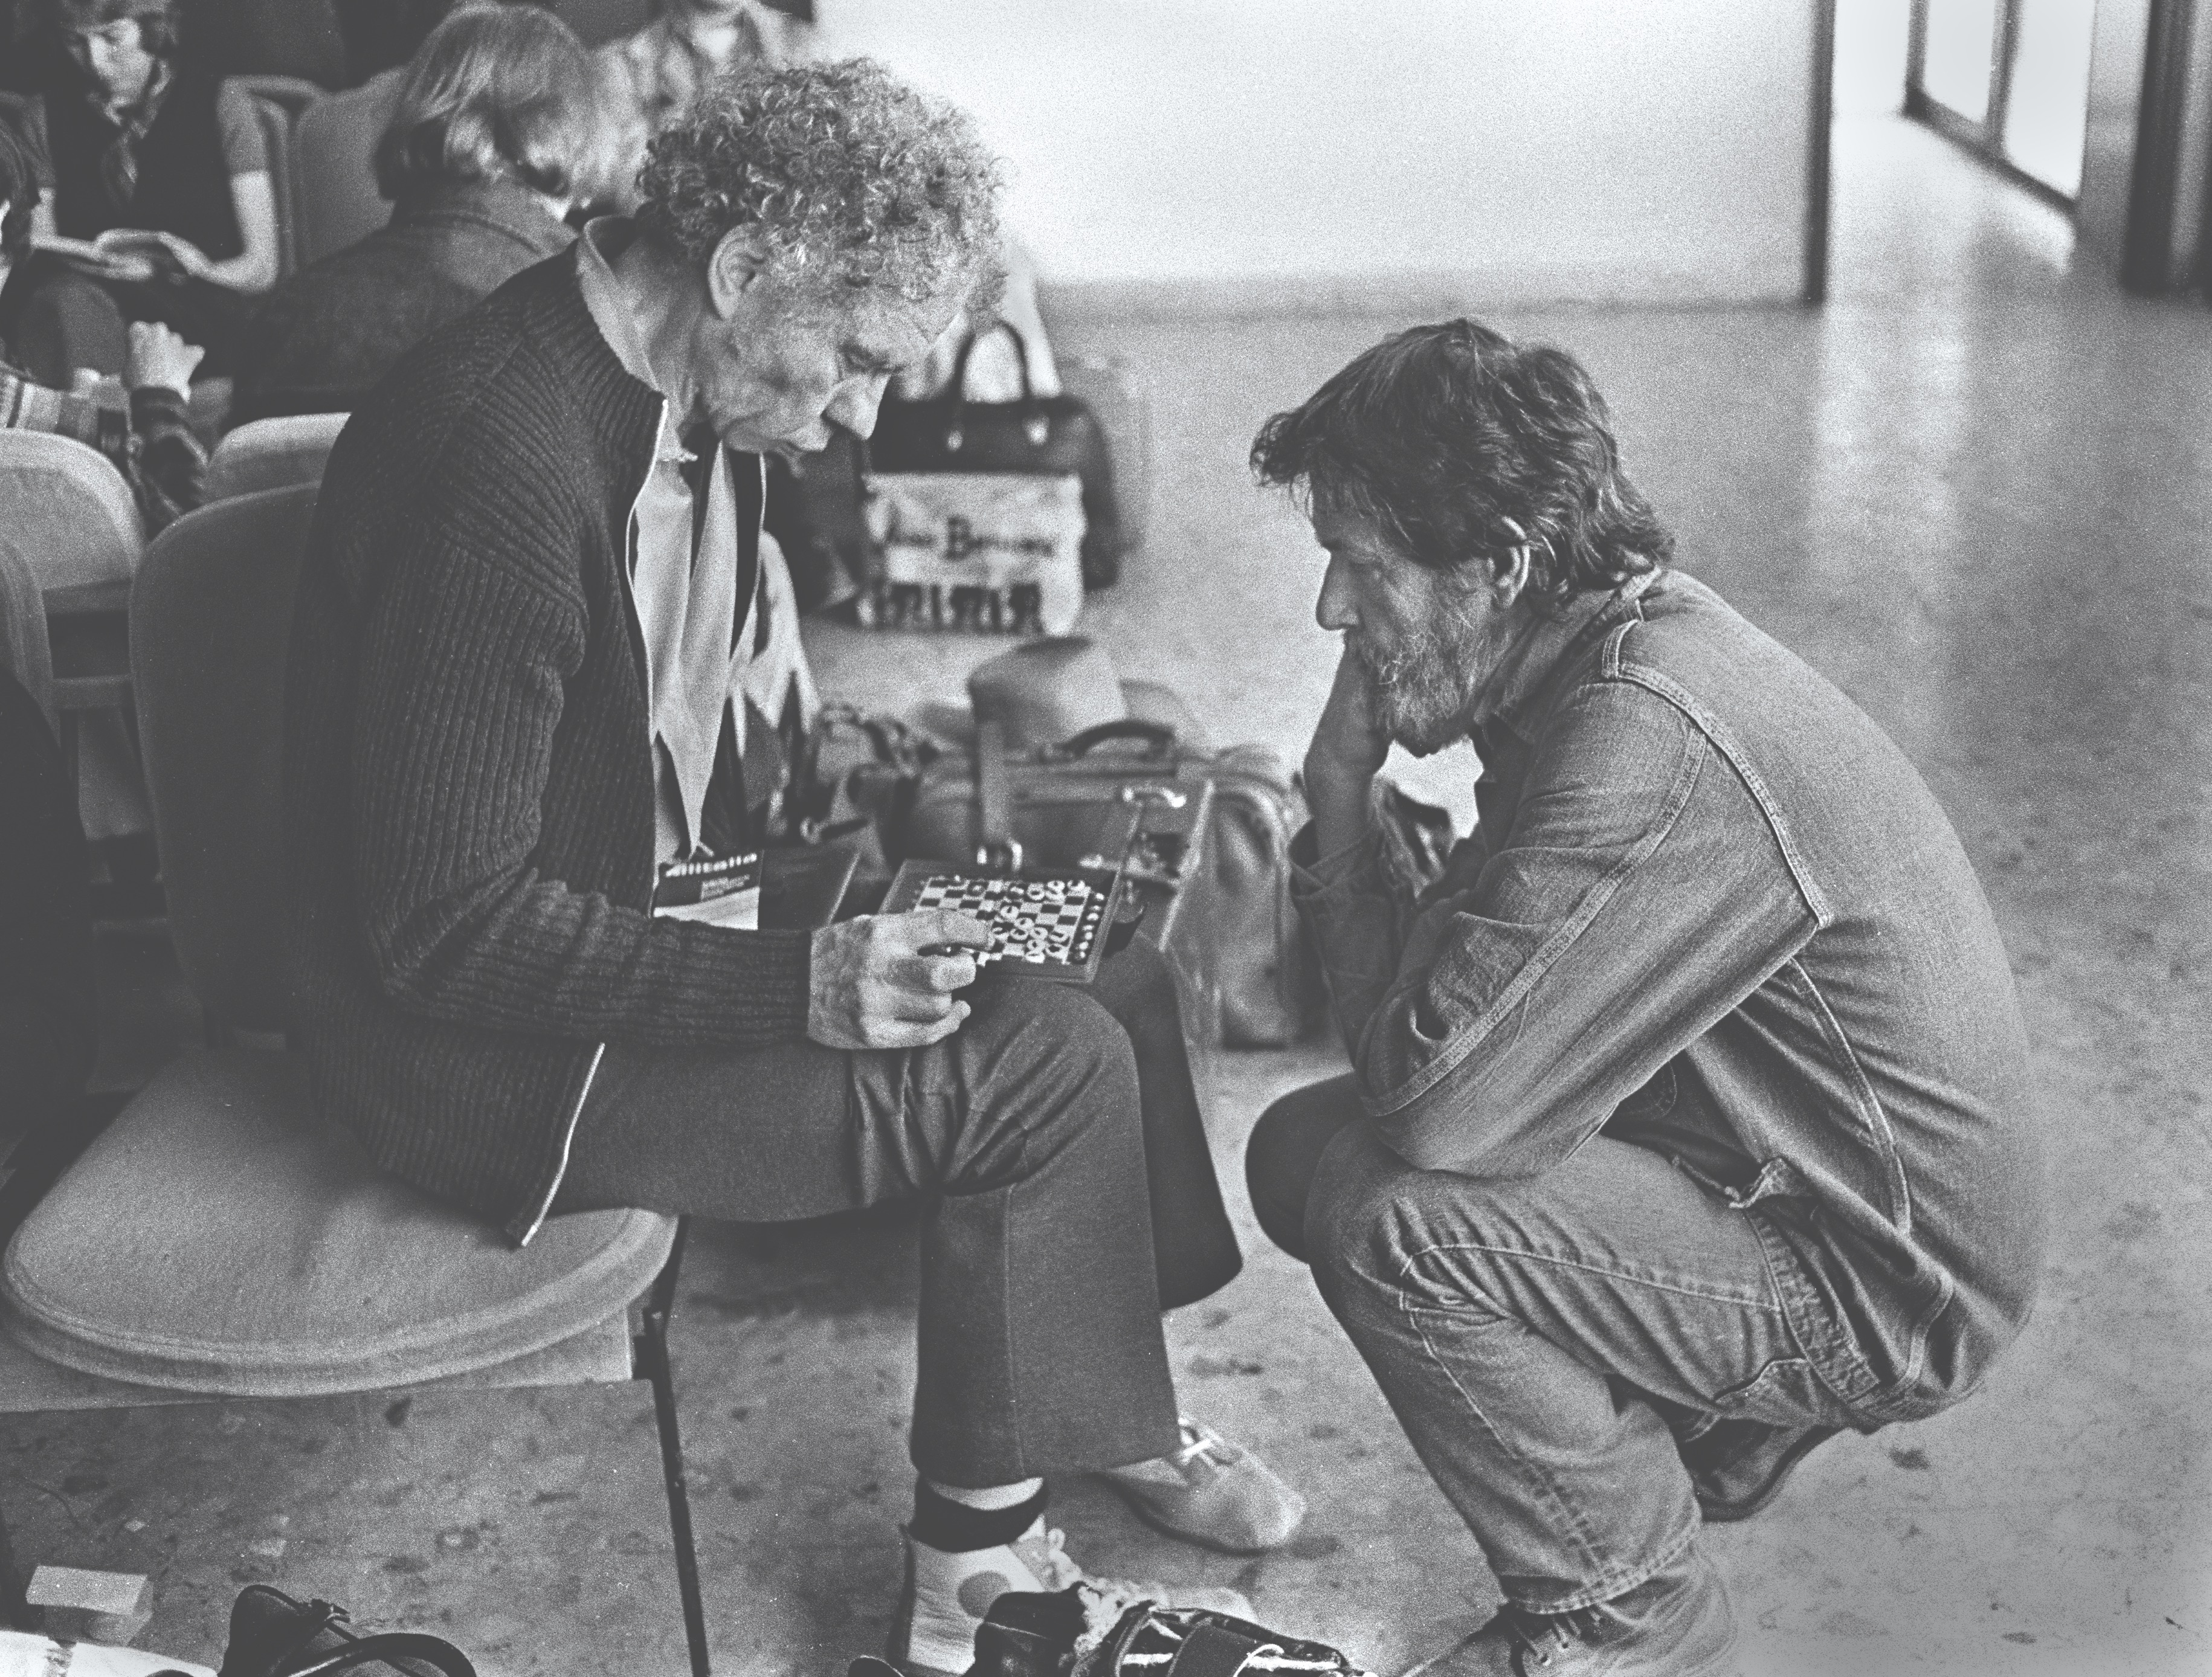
(1544, 1340)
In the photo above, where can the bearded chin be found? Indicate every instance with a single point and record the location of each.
(1421, 696)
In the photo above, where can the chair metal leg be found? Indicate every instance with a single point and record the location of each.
(650, 1349)
(15, 1611)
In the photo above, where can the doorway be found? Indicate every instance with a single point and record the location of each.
(2009, 81)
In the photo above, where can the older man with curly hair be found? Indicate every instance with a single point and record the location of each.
(539, 653)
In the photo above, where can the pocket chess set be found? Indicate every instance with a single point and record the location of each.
(1049, 923)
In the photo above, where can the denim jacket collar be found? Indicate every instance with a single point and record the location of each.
(1526, 673)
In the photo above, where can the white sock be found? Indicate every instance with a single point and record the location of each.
(989, 1496)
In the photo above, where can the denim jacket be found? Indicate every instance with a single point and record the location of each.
(1712, 909)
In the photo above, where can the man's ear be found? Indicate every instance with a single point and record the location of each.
(1509, 571)
(737, 267)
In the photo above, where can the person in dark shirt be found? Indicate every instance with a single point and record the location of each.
(151, 441)
(162, 170)
(493, 135)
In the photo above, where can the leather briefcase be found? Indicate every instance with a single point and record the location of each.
(1203, 837)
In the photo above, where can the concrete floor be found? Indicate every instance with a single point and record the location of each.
(1975, 490)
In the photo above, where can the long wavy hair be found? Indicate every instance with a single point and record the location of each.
(1449, 436)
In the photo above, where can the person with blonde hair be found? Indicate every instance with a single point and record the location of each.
(150, 439)
(494, 136)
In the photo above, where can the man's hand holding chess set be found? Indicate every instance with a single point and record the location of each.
(892, 980)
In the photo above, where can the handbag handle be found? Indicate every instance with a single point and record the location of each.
(1037, 426)
(388, 1647)
(1159, 736)
(968, 349)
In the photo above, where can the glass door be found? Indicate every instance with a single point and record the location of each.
(2009, 80)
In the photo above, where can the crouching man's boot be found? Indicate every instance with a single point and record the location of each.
(1675, 1624)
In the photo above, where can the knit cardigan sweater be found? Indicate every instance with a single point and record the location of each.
(468, 776)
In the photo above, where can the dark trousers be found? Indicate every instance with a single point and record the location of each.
(1057, 1139)
(55, 319)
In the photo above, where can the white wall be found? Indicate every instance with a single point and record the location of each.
(1250, 153)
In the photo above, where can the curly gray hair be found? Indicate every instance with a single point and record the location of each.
(842, 171)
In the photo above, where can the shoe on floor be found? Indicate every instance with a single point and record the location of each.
(1209, 1491)
(946, 1596)
(1738, 1466)
(1675, 1624)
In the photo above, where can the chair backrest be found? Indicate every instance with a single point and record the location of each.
(272, 454)
(69, 509)
(25, 652)
(334, 149)
(210, 617)
(279, 102)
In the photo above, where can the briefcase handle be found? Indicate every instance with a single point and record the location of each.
(1159, 736)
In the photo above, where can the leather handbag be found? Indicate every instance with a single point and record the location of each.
(273, 1635)
(995, 553)
(1038, 436)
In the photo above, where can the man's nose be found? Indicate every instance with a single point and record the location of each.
(854, 404)
(1336, 609)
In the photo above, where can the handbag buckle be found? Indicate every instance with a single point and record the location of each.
(1166, 797)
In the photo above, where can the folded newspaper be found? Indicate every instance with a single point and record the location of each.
(25, 1655)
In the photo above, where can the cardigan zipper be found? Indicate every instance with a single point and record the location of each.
(568, 1141)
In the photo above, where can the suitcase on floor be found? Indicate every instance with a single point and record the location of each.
(1203, 836)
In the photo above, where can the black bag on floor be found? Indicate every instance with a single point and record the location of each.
(273, 1635)
(1038, 436)
(1031, 1634)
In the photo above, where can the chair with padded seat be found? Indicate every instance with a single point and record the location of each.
(272, 454)
(72, 516)
(218, 1241)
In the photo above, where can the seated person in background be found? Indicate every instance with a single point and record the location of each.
(1689, 1122)
(652, 78)
(151, 442)
(167, 163)
(537, 554)
(495, 128)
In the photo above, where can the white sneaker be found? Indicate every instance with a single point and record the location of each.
(1212, 1491)
(946, 1596)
